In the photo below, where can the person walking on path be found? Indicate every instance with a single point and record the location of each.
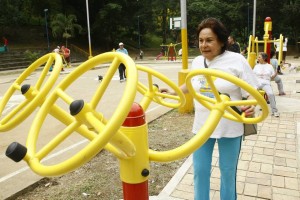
(212, 36)
(122, 68)
(265, 72)
(277, 79)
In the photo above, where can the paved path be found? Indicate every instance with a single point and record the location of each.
(269, 162)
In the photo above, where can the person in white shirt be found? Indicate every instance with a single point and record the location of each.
(180, 52)
(284, 49)
(57, 50)
(277, 79)
(265, 72)
(212, 36)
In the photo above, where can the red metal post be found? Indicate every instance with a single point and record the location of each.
(132, 189)
(269, 21)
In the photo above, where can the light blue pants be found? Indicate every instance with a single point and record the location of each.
(229, 150)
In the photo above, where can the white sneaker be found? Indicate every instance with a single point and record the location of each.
(122, 80)
(276, 114)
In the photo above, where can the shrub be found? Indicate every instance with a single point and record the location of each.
(32, 56)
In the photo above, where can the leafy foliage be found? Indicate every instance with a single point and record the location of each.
(31, 56)
(64, 26)
(127, 20)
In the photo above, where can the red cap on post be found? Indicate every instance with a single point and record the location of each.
(268, 19)
(136, 116)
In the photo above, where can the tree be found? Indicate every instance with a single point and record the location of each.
(292, 30)
(64, 26)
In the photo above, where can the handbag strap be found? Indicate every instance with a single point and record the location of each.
(205, 65)
(236, 110)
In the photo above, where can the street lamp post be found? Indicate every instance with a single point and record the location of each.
(254, 18)
(248, 21)
(88, 24)
(45, 10)
(139, 32)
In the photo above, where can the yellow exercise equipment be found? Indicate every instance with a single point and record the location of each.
(151, 93)
(129, 144)
(219, 107)
(219, 102)
(34, 94)
(83, 116)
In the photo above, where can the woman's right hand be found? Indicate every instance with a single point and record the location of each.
(167, 91)
(182, 87)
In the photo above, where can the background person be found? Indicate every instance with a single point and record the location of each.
(122, 68)
(180, 52)
(265, 72)
(66, 53)
(212, 36)
(244, 52)
(233, 45)
(5, 44)
(161, 53)
(284, 50)
(277, 79)
(57, 49)
(141, 54)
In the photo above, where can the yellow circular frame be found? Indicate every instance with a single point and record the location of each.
(210, 103)
(152, 94)
(34, 96)
(103, 131)
(220, 107)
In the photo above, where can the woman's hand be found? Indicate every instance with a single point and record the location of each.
(272, 77)
(165, 90)
(182, 87)
(248, 110)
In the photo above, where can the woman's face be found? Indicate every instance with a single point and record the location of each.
(209, 45)
(260, 59)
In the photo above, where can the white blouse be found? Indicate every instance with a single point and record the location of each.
(234, 64)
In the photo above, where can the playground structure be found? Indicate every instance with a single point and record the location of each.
(253, 45)
(125, 134)
(170, 53)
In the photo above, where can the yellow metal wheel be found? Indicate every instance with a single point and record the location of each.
(34, 94)
(82, 117)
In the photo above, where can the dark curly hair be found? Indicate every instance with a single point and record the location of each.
(218, 28)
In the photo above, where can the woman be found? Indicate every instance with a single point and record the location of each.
(212, 36)
(265, 73)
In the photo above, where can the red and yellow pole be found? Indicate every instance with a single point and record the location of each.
(268, 36)
(135, 170)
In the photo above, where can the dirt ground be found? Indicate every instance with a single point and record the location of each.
(99, 179)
